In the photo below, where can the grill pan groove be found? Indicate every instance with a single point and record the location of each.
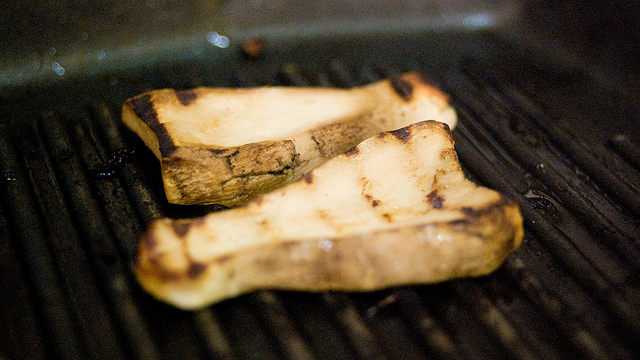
(561, 246)
(545, 232)
(69, 233)
(85, 297)
(99, 245)
(26, 222)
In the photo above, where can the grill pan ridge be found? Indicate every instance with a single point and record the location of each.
(78, 190)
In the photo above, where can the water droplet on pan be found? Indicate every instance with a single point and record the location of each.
(118, 159)
(10, 176)
(545, 207)
(218, 40)
(57, 68)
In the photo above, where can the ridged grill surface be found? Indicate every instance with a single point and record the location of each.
(78, 191)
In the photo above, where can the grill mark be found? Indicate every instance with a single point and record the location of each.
(196, 269)
(403, 134)
(308, 177)
(197, 222)
(374, 202)
(186, 97)
(402, 87)
(353, 151)
(469, 211)
(150, 241)
(181, 228)
(459, 222)
(476, 213)
(436, 200)
(143, 107)
(223, 152)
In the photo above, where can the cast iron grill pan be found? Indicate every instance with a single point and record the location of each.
(78, 190)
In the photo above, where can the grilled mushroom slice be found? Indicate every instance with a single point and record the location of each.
(227, 146)
(396, 209)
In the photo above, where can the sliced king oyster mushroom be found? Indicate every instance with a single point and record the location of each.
(394, 210)
(227, 146)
